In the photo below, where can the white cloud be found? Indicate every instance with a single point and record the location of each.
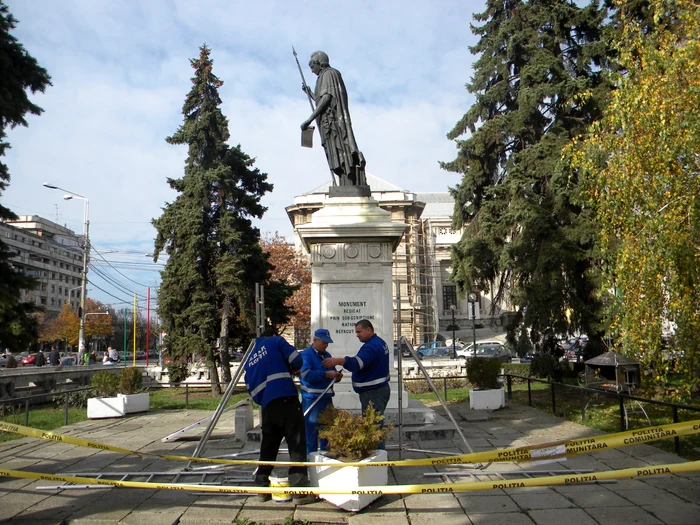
(121, 72)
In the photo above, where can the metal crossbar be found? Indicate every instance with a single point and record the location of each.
(192, 478)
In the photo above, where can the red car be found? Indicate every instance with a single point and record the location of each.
(28, 360)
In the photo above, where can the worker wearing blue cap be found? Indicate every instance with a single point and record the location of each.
(315, 378)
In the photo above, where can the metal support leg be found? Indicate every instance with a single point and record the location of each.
(222, 404)
(437, 394)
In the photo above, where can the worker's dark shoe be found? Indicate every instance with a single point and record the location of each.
(262, 498)
(304, 500)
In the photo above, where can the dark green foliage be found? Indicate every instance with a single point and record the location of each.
(75, 399)
(352, 437)
(105, 383)
(215, 257)
(523, 345)
(538, 83)
(516, 369)
(19, 72)
(547, 366)
(483, 373)
(130, 380)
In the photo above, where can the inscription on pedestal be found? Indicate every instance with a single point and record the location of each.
(342, 305)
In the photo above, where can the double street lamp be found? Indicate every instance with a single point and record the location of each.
(86, 250)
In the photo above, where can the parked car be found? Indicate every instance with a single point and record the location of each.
(430, 344)
(492, 349)
(3, 360)
(437, 352)
(468, 350)
(69, 360)
(27, 359)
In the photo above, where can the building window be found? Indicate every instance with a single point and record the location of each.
(43, 300)
(449, 296)
(53, 288)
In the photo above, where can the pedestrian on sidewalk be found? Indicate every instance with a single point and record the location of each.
(315, 378)
(268, 377)
(54, 356)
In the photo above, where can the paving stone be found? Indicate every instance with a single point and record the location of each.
(561, 517)
(644, 497)
(482, 504)
(679, 514)
(451, 518)
(151, 518)
(427, 502)
(374, 519)
(509, 518)
(600, 498)
(626, 515)
(541, 500)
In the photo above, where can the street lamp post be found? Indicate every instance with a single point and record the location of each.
(86, 251)
(454, 327)
(473, 298)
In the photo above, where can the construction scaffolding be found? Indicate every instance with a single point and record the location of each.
(414, 267)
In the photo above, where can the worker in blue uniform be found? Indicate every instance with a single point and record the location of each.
(370, 368)
(268, 377)
(315, 378)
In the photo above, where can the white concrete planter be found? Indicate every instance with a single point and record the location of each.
(487, 399)
(103, 407)
(337, 476)
(136, 402)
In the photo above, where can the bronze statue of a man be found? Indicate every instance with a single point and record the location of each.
(333, 120)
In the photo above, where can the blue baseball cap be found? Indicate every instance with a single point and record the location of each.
(324, 335)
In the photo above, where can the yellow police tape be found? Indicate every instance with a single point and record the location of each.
(551, 450)
(565, 479)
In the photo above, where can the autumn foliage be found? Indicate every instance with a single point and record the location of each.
(66, 325)
(642, 160)
(291, 268)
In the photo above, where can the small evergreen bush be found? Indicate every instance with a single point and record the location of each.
(105, 383)
(352, 437)
(75, 399)
(131, 381)
(483, 373)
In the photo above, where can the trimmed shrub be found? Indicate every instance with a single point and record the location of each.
(483, 373)
(352, 437)
(105, 383)
(131, 381)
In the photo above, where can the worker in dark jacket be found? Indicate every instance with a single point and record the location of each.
(315, 378)
(370, 368)
(268, 377)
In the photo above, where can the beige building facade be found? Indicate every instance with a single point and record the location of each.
(421, 264)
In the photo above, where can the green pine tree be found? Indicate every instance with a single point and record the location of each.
(539, 81)
(19, 72)
(215, 257)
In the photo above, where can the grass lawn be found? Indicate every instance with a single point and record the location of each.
(44, 418)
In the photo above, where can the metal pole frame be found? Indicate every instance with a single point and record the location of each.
(437, 394)
(400, 366)
(219, 409)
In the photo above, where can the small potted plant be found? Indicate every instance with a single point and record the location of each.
(488, 393)
(351, 437)
(131, 391)
(117, 395)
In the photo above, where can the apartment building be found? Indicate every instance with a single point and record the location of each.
(52, 254)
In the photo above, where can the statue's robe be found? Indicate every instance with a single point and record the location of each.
(344, 157)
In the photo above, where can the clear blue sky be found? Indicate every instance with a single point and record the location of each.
(120, 73)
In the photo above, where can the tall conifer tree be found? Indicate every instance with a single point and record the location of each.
(215, 258)
(19, 72)
(538, 82)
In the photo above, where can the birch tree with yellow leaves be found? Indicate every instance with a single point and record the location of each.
(642, 161)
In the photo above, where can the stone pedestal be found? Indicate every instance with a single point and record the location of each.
(350, 242)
